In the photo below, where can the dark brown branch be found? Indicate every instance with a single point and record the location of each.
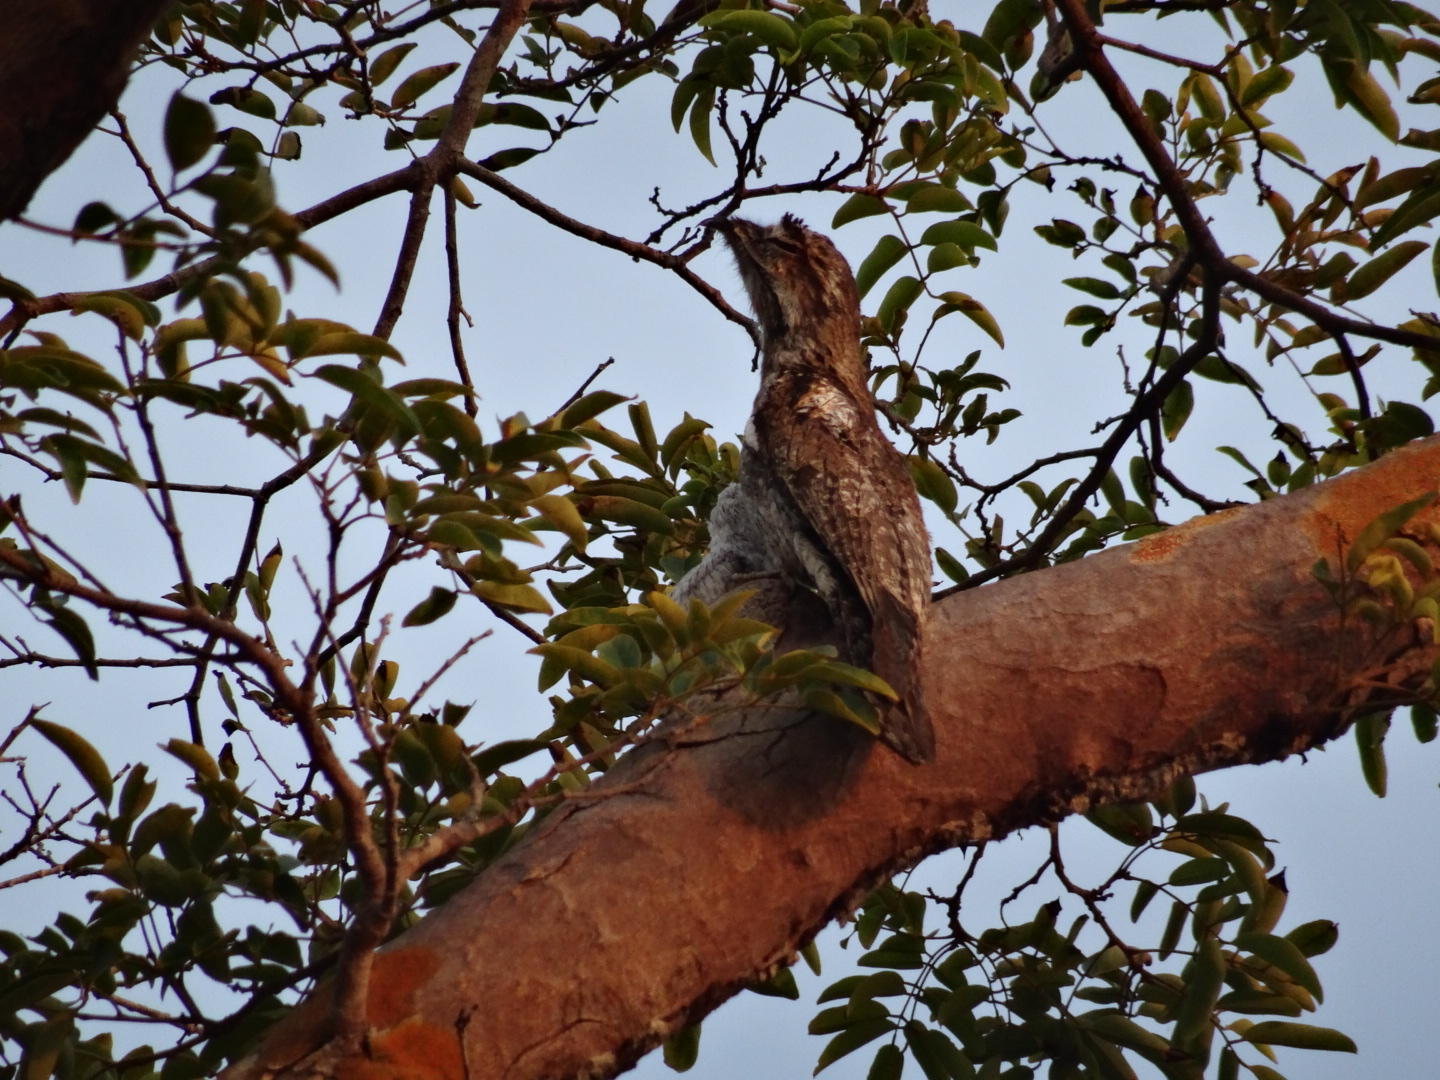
(1146, 403)
(580, 391)
(457, 306)
(405, 261)
(22, 311)
(159, 192)
(1091, 56)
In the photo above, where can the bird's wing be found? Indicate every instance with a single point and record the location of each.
(853, 489)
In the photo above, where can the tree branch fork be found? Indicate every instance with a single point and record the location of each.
(691, 870)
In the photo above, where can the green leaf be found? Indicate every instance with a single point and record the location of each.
(1206, 981)
(966, 234)
(946, 256)
(848, 675)
(351, 342)
(189, 131)
(1122, 1031)
(1300, 1036)
(769, 28)
(782, 984)
(1198, 871)
(1425, 722)
(1285, 955)
(589, 407)
(119, 307)
(1279, 144)
(420, 82)
(950, 566)
(47, 1041)
(494, 758)
(194, 755)
(888, 251)
(625, 511)
(524, 598)
(904, 292)
(1239, 458)
(819, 30)
(1382, 268)
(433, 607)
(889, 1063)
(93, 217)
(1384, 527)
(76, 632)
(682, 1049)
(384, 65)
(1273, 80)
(1370, 739)
(937, 1056)
(82, 755)
(1421, 205)
(831, 703)
(247, 99)
(932, 482)
(857, 206)
(1371, 101)
(508, 159)
(1105, 290)
(1315, 937)
(973, 310)
(937, 198)
(700, 121)
(680, 103)
(1179, 404)
(852, 1038)
(562, 513)
(371, 393)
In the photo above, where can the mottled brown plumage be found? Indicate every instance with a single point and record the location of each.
(825, 501)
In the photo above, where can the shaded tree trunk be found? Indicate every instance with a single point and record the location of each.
(706, 860)
(63, 65)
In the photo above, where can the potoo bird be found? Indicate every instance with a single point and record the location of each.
(824, 501)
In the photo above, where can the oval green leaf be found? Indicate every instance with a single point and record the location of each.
(82, 755)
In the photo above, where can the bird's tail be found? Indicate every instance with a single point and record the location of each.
(905, 724)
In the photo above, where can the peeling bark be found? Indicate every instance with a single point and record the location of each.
(63, 64)
(704, 861)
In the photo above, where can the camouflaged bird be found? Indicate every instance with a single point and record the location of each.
(824, 500)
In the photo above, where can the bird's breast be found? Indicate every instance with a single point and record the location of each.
(826, 404)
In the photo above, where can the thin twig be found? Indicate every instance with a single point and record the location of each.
(632, 248)
(457, 307)
(578, 394)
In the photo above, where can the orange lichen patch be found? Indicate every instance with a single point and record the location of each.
(1162, 545)
(416, 1050)
(397, 974)
(1345, 506)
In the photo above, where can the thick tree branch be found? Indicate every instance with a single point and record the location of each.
(62, 67)
(1208, 645)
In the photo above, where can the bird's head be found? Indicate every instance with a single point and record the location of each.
(797, 280)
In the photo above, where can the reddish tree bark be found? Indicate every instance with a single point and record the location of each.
(697, 866)
(63, 65)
